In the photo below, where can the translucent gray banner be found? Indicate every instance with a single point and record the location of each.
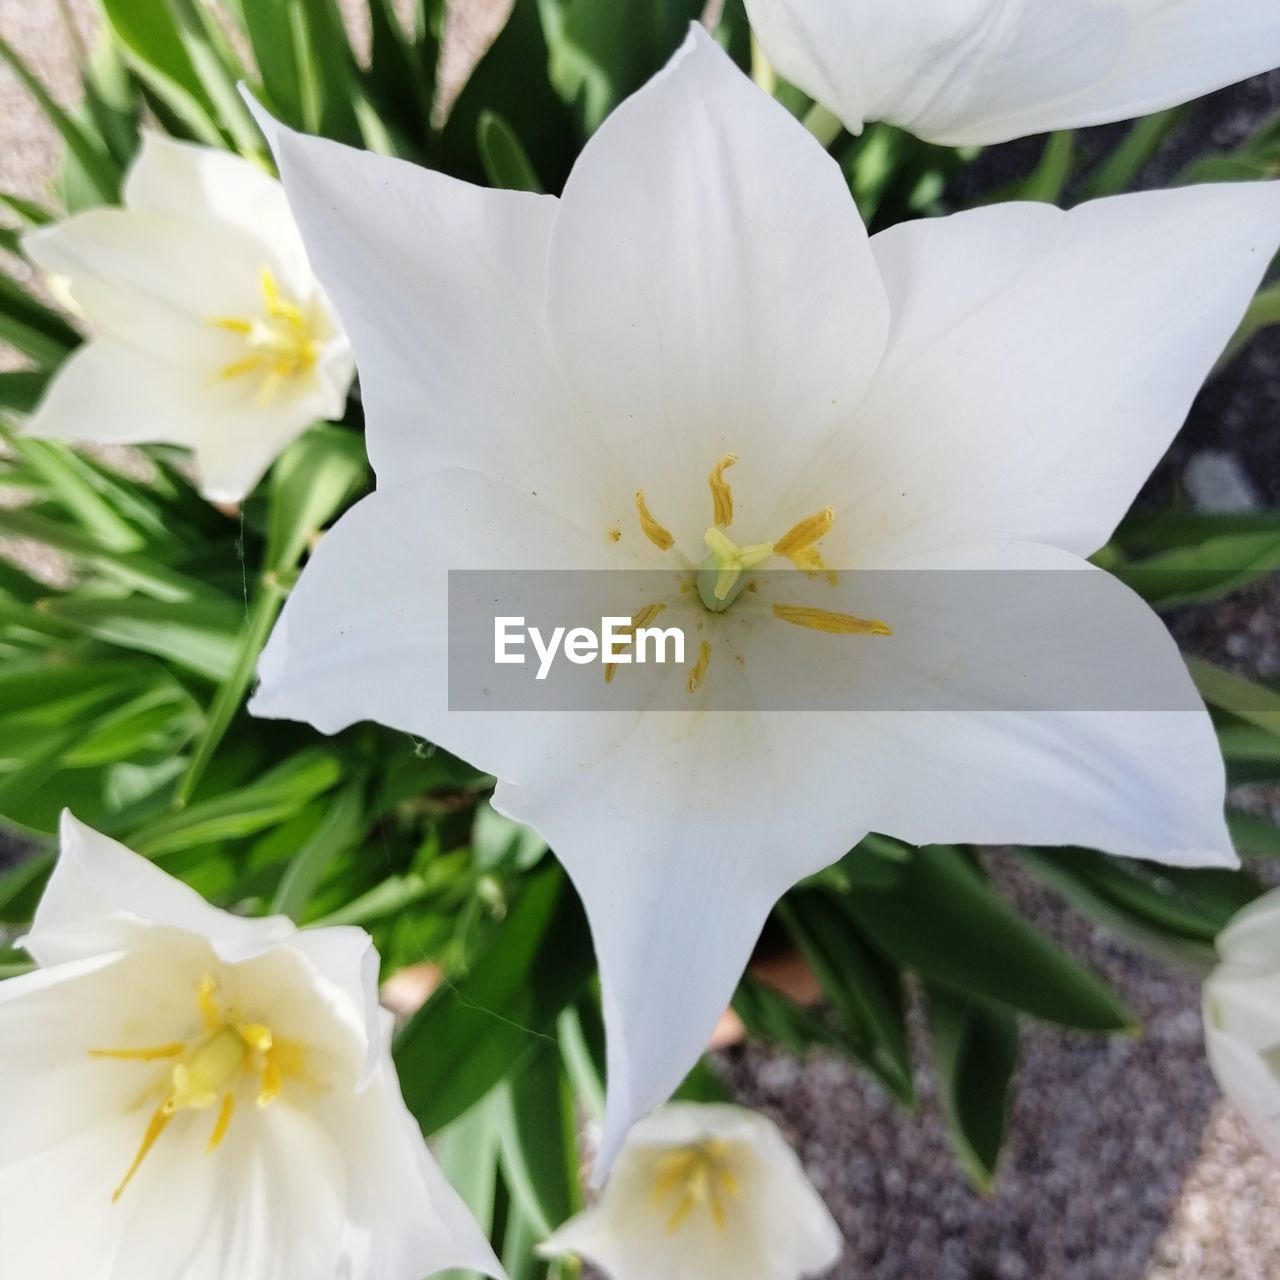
(786, 640)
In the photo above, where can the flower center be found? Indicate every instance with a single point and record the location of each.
(280, 342)
(208, 1069)
(725, 573)
(694, 1177)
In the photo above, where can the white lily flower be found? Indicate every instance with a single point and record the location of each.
(207, 326)
(704, 1192)
(974, 72)
(189, 1095)
(986, 391)
(1242, 1017)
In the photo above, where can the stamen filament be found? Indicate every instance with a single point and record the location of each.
(836, 624)
(158, 1124)
(153, 1054)
(656, 533)
(721, 494)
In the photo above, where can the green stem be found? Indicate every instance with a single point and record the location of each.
(823, 124)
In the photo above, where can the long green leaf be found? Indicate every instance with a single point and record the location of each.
(469, 1035)
(1244, 698)
(339, 831)
(30, 326)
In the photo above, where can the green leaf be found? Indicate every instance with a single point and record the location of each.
(470, 1034)
(310, 483)
(1246, 699)
(606, 52)
(1254, 837)
(32, 327)
(863, 988)
(976, 1051)
(1263, 312)
(1120, 169)
(156, 51)
(1217, 565)
(202, 636)
(269, 800)
(512, 81)
(339, 832)
(539, 1142)
(946, 923)
(506, 163)
(1049, 178)
(401, 76)
(92, 157)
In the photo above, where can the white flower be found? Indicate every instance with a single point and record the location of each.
(986, 391)
(1242, 1017)
(189, 1095)
(964, 72)
(704, 1192)
(208, 328)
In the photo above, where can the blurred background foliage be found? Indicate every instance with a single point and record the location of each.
(129, 645)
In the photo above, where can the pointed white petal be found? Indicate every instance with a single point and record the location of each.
(710, 289)
(111, 392)
(210, 186)
(364, 635)
(440, 286)
(776, 1225)
(1041, 362)
(964, 72)
(1252, 939)
(404, 1219)
(102, 897)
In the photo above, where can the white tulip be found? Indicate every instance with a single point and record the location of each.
(973, 72)
(987, 391)
(704, 1192)
(1242, 1017)
(189, 1095)
(207, 327)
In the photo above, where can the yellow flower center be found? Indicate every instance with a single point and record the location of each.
(280, 342)
(693, 1178)
(725, 573)
(208, 1070)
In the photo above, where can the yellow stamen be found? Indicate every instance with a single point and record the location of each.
(696, 1175)
(699, 668)
(158, 1124)
(222, 1125)
(806, 533)
(836, 624)
(153, 1054)
(281, 343)
(810, 560)
(210, 1014)
(233, 324)
(272, 1083)
(659, 536)
(721, 494)
(238, 368)
(640, 619)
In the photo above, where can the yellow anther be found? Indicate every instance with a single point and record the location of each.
(640, 619)
(810, 560)
(272, 1083)
(698, 1175)
(836, 624)
(699, 669)
(806, 533)
(222, 1125)
(659, 536)
(255, 1035)
(721, 494)
(280, 341)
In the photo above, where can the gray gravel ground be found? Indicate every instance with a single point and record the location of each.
(1123, 1163)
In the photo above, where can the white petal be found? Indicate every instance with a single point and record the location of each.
(207, 185)
(404, 1221)
(710, 289)
(1249, 1083)
(1252, 939)
(777, 1226)
(103, 897)
(113, 393)
(1024, 697)
(964, 72)
(1040, 363)
(364, 635)
(440, 286)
